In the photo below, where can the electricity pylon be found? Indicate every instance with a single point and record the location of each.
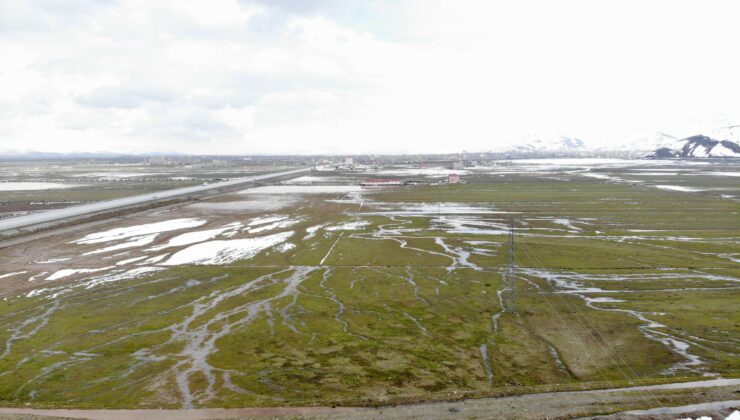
(509, 293)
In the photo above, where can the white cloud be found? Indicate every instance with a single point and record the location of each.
(329, 76)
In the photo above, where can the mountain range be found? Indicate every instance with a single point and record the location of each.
(720, 143)
(698, 146)
(723, 142)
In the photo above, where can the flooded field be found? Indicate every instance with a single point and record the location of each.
(320, 292)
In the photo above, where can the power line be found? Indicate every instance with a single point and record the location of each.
(509, 292)
(590, 328)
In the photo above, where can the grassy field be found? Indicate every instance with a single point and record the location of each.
(387, 296)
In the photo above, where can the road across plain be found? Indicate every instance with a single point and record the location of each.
(564, 404)
(49, 216)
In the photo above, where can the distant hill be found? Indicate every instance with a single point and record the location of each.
(558, 143)
(639, 142)
(543, 144)
(15, 155)
(634, 143)
(698, 146)
(720, 143)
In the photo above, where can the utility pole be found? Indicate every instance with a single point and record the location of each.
(509, 292)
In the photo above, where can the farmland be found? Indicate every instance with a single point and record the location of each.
(319, 292)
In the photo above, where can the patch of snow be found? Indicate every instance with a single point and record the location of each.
(357, 225)
(130, 260)
(198, 236)
(567, 223)
(53, 260)
(5, 276)
(139, 230)
(264, 220)
(72, 271)
(721, 151)
(678, 188)
(276, 225)
(126, 275)
(604, 177)
(717, 173)
(36, 292)
(117, 175)
(36, 186)
(603, 300)
(483, 243)
(469, 225)
(311, 231)
(155, 260)
(38, 276)
(731, 257)
(227, 251)
(132, 243)
(283, 248)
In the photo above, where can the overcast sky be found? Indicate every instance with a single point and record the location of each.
(359, 76)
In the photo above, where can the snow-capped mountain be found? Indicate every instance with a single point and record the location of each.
(731, 133)
(554, 143)
(639, 141)
(722, 142)
(699, 146)
(633, 143)
(542, 143)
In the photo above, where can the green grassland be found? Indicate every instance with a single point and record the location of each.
(394, 318)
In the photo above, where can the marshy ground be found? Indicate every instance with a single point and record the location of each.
(328, 294)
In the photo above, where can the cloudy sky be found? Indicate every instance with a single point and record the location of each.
(359, 76)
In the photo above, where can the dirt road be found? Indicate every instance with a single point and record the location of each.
(723, 392)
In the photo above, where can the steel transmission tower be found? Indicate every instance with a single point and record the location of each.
(509, 292)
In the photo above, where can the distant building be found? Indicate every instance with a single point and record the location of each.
(453, 178)
(457, 165)
(349, 161)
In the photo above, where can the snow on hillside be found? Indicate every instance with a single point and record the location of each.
(549, 143)
(698, 147)
(541, 143)
(635, 142)
(731, 133)
(638, 141)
